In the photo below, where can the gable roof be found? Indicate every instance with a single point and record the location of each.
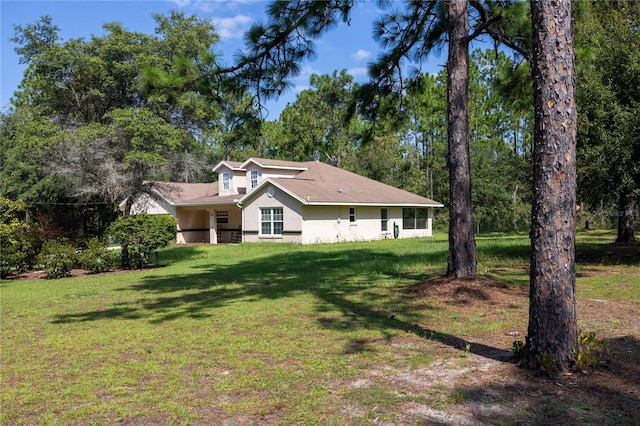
(323, 184)
(266, 163)
(317, 184)
(233, 165)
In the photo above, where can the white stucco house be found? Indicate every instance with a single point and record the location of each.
(262, 200)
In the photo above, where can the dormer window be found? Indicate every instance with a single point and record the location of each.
(226, 182)
(254, 178)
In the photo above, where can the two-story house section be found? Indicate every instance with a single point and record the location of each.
(310, 202)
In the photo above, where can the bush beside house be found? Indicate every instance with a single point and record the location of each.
(23, 248)
(141, 234)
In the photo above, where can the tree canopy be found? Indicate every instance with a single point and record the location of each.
(608, 48)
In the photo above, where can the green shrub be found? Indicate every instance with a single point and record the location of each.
(518, 349)
(96, 257)
(141, 234)
(58, 258)
(547, 364)
(589, 352)
(19, 239)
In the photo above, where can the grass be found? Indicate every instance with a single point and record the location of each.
(272, 334)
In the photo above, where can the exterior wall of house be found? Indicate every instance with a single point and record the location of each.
(150, 205)
(301, 224)
(291, 211)
(323, 224)
(330, 224)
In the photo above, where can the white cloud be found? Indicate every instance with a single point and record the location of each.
(361, 55)
(180, 3)
(199, 5)
(232, 27)
(357, 72)
(243, 2)
(211, 5)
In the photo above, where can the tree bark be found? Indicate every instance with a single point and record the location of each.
(462, 246)
(626, 216)
(552, 332)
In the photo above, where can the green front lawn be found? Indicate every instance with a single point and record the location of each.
(266, 334)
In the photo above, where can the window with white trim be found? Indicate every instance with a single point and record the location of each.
(271, 221)
(414, 218)
(384, 220)
(226, 181)
(254, 178)
(352, 215)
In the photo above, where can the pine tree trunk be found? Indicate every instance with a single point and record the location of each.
(552, 310)
(626, 216)
(462, 246)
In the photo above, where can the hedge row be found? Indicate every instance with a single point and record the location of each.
(22, 248)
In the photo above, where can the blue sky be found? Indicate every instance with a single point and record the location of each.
(347, 47)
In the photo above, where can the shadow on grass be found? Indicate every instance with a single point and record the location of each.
(592, 247)
(609, 254)
(608, 395)
(340, 280)
(344, 280)
(178, 253)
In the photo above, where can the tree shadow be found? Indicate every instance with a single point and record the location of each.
(343, 281)
(179, 253)
(609, 254)
(587, 252)
(609, 394)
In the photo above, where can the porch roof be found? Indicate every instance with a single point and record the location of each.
(185, 194)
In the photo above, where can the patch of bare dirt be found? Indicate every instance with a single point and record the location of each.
(493, 389)
(465, 290)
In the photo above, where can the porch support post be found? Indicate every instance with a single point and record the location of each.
(213, 232)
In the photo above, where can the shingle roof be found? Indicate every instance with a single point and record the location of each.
(191, 193)
(317, 183)
(325, 184)
(267, 163)
(234, 165)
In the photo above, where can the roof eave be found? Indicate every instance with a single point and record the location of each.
(205, 203)
(371, 204)
(162, 196)
(266, 182)
(271, 166)
(227, 165)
